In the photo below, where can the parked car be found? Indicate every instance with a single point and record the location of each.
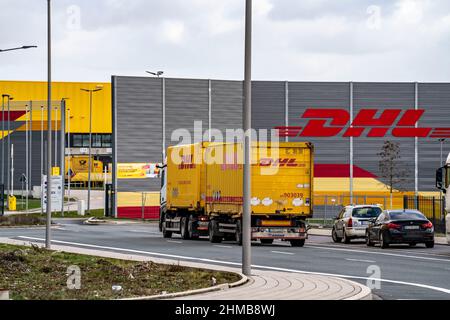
(400, 227)
(352, 222)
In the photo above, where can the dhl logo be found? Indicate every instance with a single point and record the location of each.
(376, 123)
(287, 162)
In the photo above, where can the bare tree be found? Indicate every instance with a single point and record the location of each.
(393, 173)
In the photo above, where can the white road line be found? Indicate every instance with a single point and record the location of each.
(285, 253)
(364, 261)
(223, 247)
(177, 242)
(376, 253)
(424, 286)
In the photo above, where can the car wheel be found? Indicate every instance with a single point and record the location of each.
(384, 242)
(413, 245)
(347, 239)
(430, 245)
(184, 229)
(335, 237)
(369, 241)
(298, 243)
(267, 241)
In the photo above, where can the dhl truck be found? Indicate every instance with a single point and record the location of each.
(443, 184)
(202, 192)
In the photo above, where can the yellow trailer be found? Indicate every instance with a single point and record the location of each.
(202, 191)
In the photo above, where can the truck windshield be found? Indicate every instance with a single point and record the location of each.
(367, 213)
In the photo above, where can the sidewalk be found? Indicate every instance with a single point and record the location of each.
(327, 233)
(262, 285)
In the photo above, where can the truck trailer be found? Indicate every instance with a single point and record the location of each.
(202, 192)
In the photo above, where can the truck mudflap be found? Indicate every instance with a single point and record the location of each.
(280, 233)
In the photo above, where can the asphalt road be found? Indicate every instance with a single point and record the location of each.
(406, 273)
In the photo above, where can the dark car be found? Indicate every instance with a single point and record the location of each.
(400, 227)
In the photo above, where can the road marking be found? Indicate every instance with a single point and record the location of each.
(311, 246)
(286, 253)
(223, 247)
(364, 261)
(172, 241)
(148, 232)
(419, 285)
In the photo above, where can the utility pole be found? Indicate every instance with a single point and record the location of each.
(247, 120)
(49, 129)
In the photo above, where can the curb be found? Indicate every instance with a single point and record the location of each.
(244, 279)
(221, 287)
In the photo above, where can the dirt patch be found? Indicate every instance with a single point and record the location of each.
(37, 274)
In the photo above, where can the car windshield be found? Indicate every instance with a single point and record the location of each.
(367, 213)
(406, 215)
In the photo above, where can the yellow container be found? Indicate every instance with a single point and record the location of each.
(12, 203)
(184, 176)
(209, 176)
(282, 179)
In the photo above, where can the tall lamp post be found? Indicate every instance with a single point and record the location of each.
(49, 123)
(19, 48)
(91, 93)
(156, 74)
(247, 119)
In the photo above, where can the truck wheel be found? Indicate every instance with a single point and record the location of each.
(161, 221)
(238, 234)
(166, 234)
(191, 228)
(298, 243)
(213, 238)
(267, 241)
(184, 229)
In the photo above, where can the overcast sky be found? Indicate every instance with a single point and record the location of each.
(298, 40)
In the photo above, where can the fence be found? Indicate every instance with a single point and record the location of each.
(432, 207)
(327, 207)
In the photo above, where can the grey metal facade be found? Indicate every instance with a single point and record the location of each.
(139, 104)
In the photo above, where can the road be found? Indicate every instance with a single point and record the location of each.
(405, 273)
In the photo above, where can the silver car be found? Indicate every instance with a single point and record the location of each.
(353, 221)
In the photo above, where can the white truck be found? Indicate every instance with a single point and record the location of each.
(443, 184)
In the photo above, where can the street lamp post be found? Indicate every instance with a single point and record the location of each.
(49, 129)
(156, 74)
(91, 92)
(18, 48)
(3, 136)
(9, 145)
(247, 119)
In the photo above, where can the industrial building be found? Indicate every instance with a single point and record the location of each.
(133, 119)
(146, 111)
(26, 102)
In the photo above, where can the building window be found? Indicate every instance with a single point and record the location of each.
(82, 141)
(107, 141)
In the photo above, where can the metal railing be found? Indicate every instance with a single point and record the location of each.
(432, 207)
(327, 207)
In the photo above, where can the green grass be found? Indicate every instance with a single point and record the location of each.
(36, 219)
(38, 274)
